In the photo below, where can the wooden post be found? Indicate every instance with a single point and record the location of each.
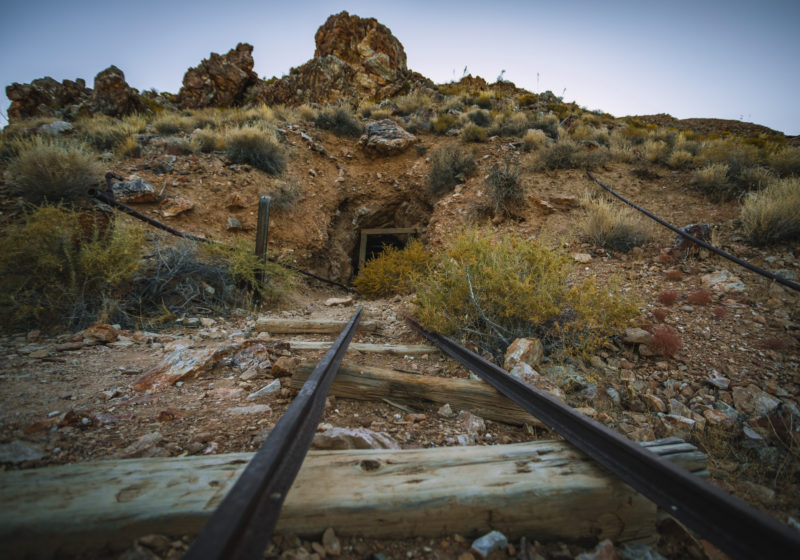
(262, 235)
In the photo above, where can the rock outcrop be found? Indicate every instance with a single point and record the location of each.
(45, 97)
(386, 137)
(219, 80)
(355, 58)
(113, 96)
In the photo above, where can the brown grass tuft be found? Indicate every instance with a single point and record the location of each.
(674, 274)
(660, 314)
(665, 341)
(700, 297)
(668, 297)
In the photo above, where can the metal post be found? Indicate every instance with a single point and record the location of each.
(262, 234)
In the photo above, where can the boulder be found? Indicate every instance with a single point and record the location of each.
(133, 192)
(171, 207)
(752, 400)
(355, 58)
(523, 350)
(219, 80)
(113, 96)
(45, 97)
(352, 438)
(386, 137)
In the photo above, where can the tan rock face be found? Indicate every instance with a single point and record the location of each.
(113, 96)
(362, 42)
(355, 58)
(219, 80)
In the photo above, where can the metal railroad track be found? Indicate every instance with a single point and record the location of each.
(729, 523)
(242, 525)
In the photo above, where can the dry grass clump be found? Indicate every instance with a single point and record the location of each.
(52, 170)
(449, 165)
(443, 123)
(307, 113)
(613, 226)
(533, 140)
(259, 116)
(660, 314)
(509, 123)
(506, 194)
(104, 133)
(208, 140)
(479, 117)
(546, 122)
(54, 273)
(484, 99)
(713, 180)
(257, 147)
(773, 214)
(667, 297)
(568, 154)
(136, 121)
(756, 177)
(172, 123)
(785, 162)
(474, 133)
(665, 341)
(340, 120)
(680, 159)
(700, 297)
(414, 102)
(129, 147)
(208, 118)
(394, 271)
(492, 292)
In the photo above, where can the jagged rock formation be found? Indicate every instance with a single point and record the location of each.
(113, 96)
(386, 137)
(45, 97)
(355, 58)
(219, 80)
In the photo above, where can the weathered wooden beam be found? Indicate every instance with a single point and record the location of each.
(373, 384)
(396, 349)
(541, 489)
(308, 326)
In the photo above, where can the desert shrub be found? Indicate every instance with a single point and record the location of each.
(413, 102)
(700, 297)
(449, 165)
(679, 159)
(208, 118)
(53, 170)
(55, 273)
(713, 180)
(104, 133)
(306, 112)
(136, 121)
(527, 100)
(674, 274)
(509, 124)
(284, 195)
(506, 194)
(785, 162)
(656, 151)
(665, 341)
(729, 151)
(584, 132)
(635, 133)
(568, 154)
(546, 122)
(206, 140)
(257, 147)
(755, 177)
(613, 226)
(479, 117)
(172, 123)
(493, 292)
(773, 214)
(258, 116)
(244, 267)
(474, 133)
(443, 122)
(129, 147)
(484, 99)
(667, 297)
(394, 271)
(533, 139)
(339, 120)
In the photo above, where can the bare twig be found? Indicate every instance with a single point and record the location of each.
(494, 326)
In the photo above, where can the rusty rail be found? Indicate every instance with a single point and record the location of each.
(240, 528)
(729, 523)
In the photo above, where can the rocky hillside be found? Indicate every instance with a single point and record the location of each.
(352, 142)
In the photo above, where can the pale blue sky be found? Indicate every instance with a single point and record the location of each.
(725, 59)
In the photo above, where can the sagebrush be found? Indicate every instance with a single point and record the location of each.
(394, 271)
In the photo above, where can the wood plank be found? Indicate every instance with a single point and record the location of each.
(397, 349)
(309, 326)
(542, 489)
(368, 383)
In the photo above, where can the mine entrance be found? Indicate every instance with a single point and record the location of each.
(373, 242)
